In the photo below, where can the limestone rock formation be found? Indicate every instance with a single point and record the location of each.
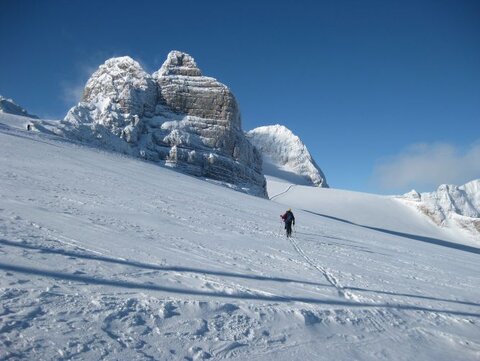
(176, 116)
(184, 90)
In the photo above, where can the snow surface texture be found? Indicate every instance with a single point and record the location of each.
(451, 206)
(285, 156)
(104, 256)
(10, 107)
(175, 117)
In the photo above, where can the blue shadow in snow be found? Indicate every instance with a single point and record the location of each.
(240, 296)
(156, 267)
(439, 242)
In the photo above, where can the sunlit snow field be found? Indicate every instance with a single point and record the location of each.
(103, 256)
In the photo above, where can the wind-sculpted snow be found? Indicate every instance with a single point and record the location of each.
(106, 257)
(451, 205)
(121, 86)
(10, 107)
(285, 156)
(176, 117)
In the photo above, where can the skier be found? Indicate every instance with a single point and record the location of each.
(288, 218)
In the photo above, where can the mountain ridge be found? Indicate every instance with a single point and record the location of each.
(285, 156)
(450, 206)
(176, 117)
(181, 118)
(10, 107)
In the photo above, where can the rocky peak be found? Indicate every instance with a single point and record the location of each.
(179, 63)
(463, 200)
(450, 205)
(121, 84)
(183, 89)
(175, 116)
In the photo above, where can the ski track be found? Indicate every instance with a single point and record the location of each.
(290, 186)
(92, 249)
(131, 324)
(328, 276)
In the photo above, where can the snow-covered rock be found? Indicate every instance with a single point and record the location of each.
(10, 107)
(121, 85)
(451, 205)
(176, 116)
(285, 156)
(184, 90)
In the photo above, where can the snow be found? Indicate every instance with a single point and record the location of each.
(105, 256)
(285, 157)
(451, 206)
(123, 108)
(179, 64)
(10, 107)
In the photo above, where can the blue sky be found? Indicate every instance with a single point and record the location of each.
(385, 94)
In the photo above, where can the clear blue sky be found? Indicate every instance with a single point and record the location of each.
(385, 94)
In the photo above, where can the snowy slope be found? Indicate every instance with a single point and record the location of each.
(103, 256)
(285, 157)
(383, 213)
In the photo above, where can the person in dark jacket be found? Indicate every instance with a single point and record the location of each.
(289, 219)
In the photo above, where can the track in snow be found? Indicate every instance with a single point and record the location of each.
(328, 276)
(281, 193)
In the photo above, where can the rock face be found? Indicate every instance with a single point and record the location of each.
(184, 90)
(176, 116)
(10, 107)
(451, 205)
(285, 156)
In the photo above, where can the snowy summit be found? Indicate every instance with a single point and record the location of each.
(456, 207)
(285, 157)
(10, 107)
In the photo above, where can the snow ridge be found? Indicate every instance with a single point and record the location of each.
(10, 107)
(451, 205)
(284, 155)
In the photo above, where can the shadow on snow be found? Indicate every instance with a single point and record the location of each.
(439, 242)
(156, 267)
(240, 296)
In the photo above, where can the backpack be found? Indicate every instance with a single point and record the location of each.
(289, 216)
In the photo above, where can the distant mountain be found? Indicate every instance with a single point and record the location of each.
(285, 156)
(180, 118)
(176, 117)
(451, 205)
(10, 107)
